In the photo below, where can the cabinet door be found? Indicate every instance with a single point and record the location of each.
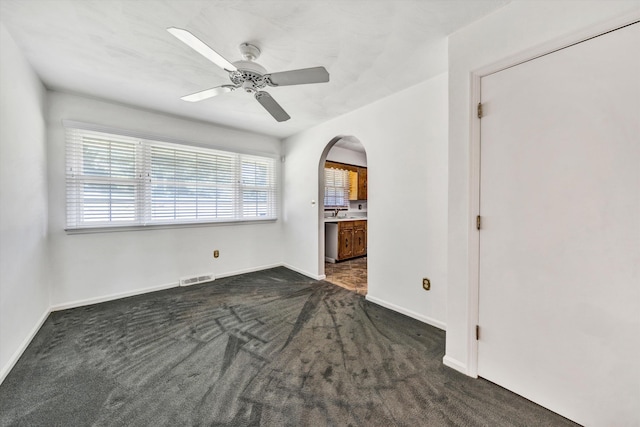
(359, 241)
(354, 185)
(345, 240)
(362, 183)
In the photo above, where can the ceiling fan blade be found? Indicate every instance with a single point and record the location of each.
(209, 93)
(199, 46)
(272, 106)
(299, 77)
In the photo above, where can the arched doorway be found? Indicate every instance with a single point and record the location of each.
(343, 211)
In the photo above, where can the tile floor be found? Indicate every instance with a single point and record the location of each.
(350, 274)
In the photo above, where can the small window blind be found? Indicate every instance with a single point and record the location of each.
(115, 180)
(336, 188)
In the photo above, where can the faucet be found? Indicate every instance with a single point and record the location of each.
(335, 212)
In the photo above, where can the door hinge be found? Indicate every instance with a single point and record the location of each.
(478, 222)
(477, 332)
(480, 110)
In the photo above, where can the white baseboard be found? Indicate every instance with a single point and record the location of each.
(23, 346)
(247, 270)
(105, 298)
(454, 364)
(425, 319)
(305, 273)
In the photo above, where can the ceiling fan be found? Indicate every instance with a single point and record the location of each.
(249, 75)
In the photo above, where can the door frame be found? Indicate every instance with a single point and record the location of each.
(320, 203)
(473, 287)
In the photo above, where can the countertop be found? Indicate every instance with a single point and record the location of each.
(341, 219)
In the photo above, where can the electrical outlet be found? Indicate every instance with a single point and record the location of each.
(426, 284)
(216, 253)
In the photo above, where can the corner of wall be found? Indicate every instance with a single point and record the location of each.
(8, 366)
(23, 208)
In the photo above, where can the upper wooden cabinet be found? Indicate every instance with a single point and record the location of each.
(357, 179)
(362, 183)
(353, 185)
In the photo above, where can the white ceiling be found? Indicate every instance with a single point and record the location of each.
(120, 50)
(350, 143)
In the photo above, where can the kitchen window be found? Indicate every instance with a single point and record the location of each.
(120, 181)
(336, 188)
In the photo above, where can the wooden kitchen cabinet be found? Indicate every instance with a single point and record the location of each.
(351, 240)
(359, 238)
(358, 182)
(362, 183)
(353, 185)
(345, 240)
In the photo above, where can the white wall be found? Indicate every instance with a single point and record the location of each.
(405, 138)
(508, 32)
(24, 282)
(96, 266)
(350, 157)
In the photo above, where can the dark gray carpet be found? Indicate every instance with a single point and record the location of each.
(271, 348)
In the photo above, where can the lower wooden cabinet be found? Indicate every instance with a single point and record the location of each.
(345, 239)
(359, 238)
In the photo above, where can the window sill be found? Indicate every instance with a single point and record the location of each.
(114, 229)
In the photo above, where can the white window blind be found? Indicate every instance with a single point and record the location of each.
(115, 180)
(336, 188)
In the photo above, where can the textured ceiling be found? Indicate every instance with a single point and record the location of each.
(120, 50)
(350, 143)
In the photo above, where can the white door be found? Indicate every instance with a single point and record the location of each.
(559, 297)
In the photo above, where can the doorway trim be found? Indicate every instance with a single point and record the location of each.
(473, 286)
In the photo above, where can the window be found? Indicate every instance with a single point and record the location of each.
(115, 180)
(336, 188)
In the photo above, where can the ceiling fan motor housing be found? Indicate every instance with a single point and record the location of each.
(250, 75)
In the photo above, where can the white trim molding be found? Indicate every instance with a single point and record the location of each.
(248, 270)
(424, 319)
(111, 297)
(106, 298)
(305, 273)
(455, 364)
(23, 346)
